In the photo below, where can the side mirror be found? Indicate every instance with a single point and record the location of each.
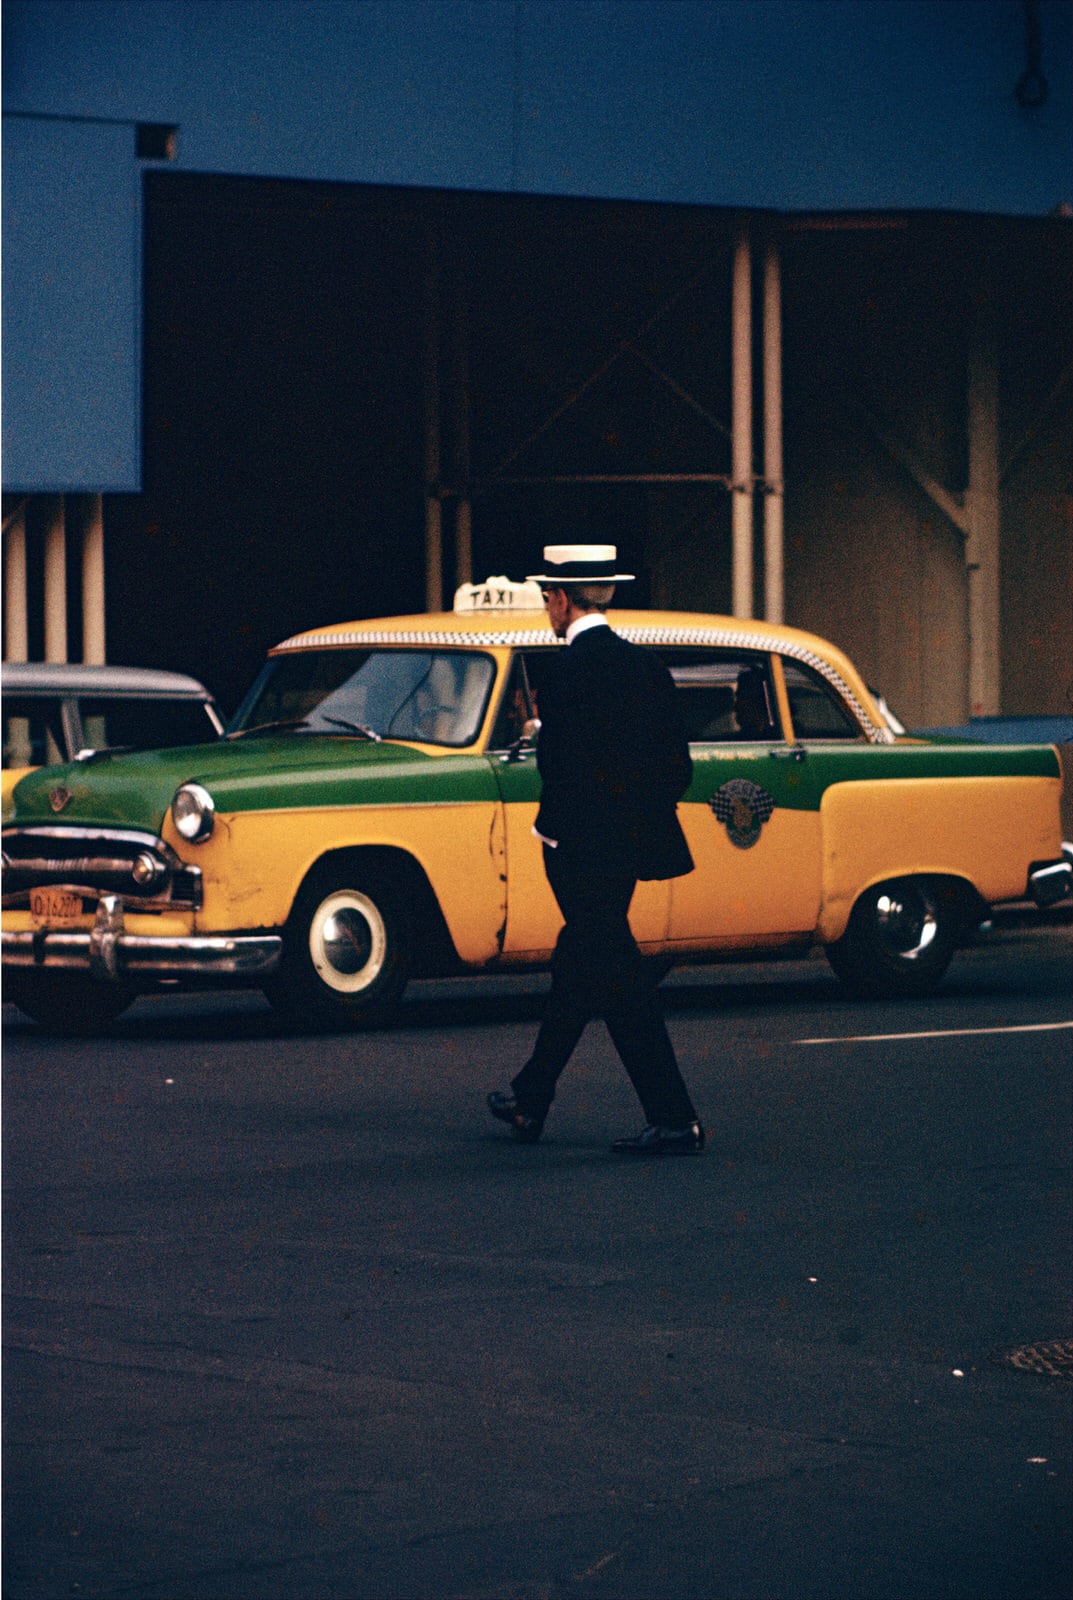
(525, 744)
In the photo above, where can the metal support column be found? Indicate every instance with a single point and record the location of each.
(93, 625)
(16, 627)
(460, 419)
(742, 425)
(982, 506)
(16, 610)
(774, 603)
(55, 580)
(433, 503)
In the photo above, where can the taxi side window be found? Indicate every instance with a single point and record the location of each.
(815, 707)
(725, 697)
(521, 701)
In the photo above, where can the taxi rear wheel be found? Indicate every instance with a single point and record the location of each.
(899, 940)
(346, 947)
(67, 1002)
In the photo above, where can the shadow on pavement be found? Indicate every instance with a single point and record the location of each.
(724, 989)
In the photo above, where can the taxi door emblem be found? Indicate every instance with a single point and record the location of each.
(743, 808)
(59, 797)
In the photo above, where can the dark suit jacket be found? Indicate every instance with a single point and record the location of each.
(613, 759)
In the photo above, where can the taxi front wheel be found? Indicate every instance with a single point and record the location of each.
(346, 948)
(899, 940)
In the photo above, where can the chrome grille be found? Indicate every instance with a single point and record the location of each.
(139, 867)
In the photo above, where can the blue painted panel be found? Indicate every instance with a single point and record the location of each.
(1007, 730)
(71, 312)
(412, 92)
(787, 104)
(796, 104)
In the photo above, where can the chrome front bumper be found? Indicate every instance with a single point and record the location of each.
(108, 952)
(1050, 881)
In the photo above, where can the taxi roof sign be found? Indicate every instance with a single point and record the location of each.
(498, 594)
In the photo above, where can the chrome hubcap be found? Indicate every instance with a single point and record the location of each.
(348, 941)
(905, 921)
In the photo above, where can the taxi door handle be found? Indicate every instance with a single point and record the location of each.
(789, 752)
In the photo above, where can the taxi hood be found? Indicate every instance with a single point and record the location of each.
(135, 789)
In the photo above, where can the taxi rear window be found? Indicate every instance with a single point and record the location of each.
(725, 696)
(815, 707)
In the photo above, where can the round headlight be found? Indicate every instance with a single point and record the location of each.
(193, 812)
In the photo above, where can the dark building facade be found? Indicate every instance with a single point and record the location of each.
(822, 378)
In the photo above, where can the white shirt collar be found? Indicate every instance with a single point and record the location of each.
(591, 619)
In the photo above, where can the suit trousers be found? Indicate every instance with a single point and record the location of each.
(597, 970)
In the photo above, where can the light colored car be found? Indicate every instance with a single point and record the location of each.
(369, 817)
(67, 711)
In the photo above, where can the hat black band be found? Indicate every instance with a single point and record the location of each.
(582, 572)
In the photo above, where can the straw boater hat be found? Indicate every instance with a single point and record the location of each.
(580, 563)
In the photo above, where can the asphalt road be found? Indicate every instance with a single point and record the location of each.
(289, 1316)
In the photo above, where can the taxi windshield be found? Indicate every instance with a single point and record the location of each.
(430, 696)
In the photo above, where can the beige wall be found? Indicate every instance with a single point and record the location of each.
(874, 565)
(1037, 574)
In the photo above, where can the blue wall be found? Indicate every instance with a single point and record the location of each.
(778, 104)
(71, 307)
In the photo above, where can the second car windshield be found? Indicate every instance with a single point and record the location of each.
(430, 696)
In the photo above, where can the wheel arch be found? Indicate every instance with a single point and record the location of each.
(433, 948)
(959, 892)
(902, 934)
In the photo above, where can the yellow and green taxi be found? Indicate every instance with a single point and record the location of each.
(368, 817)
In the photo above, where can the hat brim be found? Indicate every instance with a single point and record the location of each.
(566, 576)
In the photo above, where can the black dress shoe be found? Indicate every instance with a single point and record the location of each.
(663, 1142)
(523, 1125)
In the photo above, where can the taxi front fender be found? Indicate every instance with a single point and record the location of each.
(256, 862)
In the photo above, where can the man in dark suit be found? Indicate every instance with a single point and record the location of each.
(613, 764)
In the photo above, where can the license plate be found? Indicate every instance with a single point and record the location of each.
(55, 908)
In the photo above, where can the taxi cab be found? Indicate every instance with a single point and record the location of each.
(368, 817)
